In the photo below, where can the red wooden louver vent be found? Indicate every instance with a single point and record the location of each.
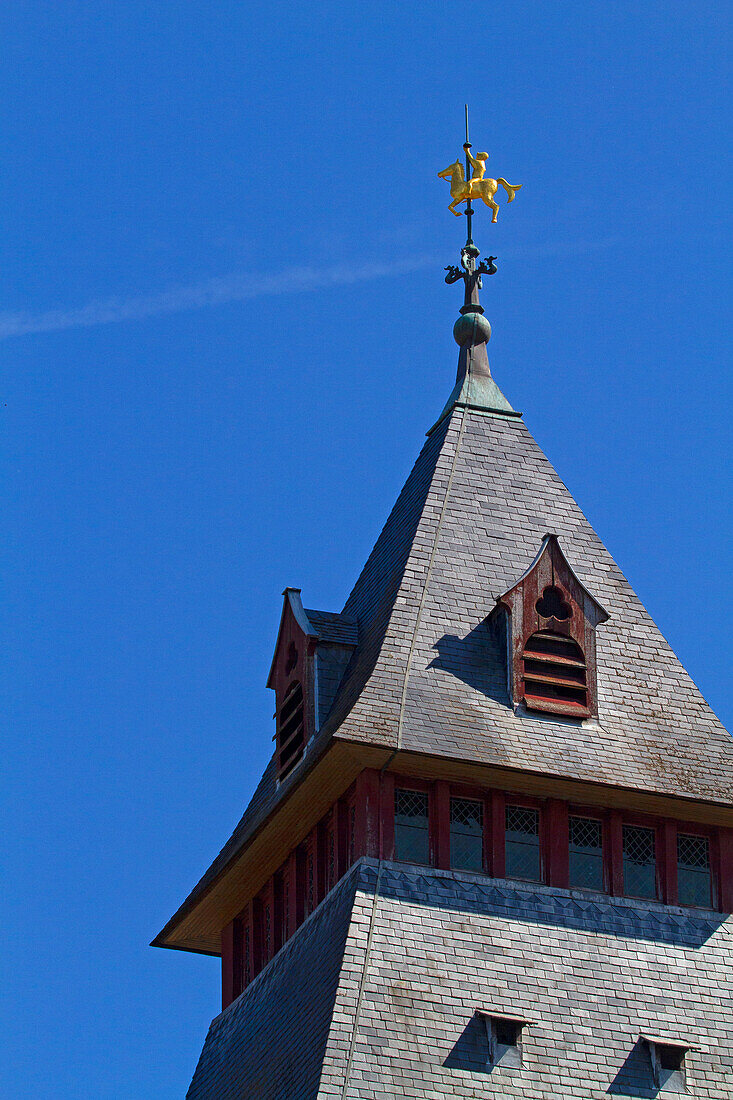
(290, 730)
(555, 674)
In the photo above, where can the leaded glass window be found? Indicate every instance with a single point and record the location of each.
(694, 881)
(640, 862)
(411, 826)
(466, 834)
(523, 843)
(586, 853)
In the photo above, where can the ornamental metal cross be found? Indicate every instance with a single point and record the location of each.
(471, 273)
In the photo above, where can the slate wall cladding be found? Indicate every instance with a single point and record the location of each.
(592, 972)
(269, 1043)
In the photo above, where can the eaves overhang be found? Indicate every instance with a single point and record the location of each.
(197, 924)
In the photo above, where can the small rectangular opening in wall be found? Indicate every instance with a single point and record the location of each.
(668, 1058)
(504, 1038)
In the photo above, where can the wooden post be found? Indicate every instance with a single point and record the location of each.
(300, 885)
(616, 853)
(440, 825)
(341, 811)
(321, 855)
(667, 863)
(231, 962)
(387, 816)
(498, 831)
(557, 843)
(367, 814)
(725, 848)
(292, 892)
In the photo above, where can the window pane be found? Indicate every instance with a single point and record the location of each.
(693, 871)
(586, 853)
(522, 843)
(640, 862)
(411, 826)
(466, 834)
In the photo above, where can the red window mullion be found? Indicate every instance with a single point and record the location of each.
(556, 842)
(440, 825)
(725, 858)
(257, 945)
(342, 837)
(321, 839)
(667, 862)
(231, 962)
(300, 884)
(497, 866)
(387, 816)
(615, 873)
(366, 840)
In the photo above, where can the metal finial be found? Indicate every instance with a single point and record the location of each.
(469, 208)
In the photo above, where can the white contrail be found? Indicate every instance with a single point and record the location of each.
(232, 288)
(238, 288)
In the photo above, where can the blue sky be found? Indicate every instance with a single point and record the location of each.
(224, 332)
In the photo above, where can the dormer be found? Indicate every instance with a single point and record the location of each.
(552, 622)
(311, 654)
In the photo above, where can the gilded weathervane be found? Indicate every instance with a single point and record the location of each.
(463, 190)
(472, 328)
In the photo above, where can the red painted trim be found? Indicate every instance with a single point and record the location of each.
(497, 867)
(557, 843)
(231, 962)
(258, 959)
(440, 825)
(342, 838)
(367, 814)
(278, 937)
(616, 853)
(387, 816)
(321, 840)
(725, 856)
(300, 883)
(667, 862)
(290, 871)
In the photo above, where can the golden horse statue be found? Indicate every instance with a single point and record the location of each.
(477, 187)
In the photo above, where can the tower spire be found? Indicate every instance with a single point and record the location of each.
(472, 331)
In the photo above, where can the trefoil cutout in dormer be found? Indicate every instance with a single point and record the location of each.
(552, 622)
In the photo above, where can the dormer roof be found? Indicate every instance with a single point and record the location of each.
(328, 627)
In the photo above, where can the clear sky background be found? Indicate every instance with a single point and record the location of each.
(224, 332)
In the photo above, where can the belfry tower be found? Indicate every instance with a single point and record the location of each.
(492, 853)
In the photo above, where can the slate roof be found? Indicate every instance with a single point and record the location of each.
(493, 496)
(334, 628)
